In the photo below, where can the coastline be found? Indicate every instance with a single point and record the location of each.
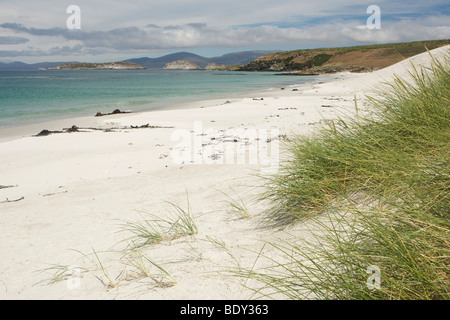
(151, 95)
(30, 129)
(79, 189)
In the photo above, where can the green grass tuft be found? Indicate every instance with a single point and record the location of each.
(379, 188)
(153, 229)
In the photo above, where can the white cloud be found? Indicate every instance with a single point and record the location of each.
(141, 26)
(8, 40)
(200, 35)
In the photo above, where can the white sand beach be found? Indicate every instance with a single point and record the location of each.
(67, 195)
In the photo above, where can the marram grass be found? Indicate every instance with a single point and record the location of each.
(378, 187)
(407, 133)
(153, 229)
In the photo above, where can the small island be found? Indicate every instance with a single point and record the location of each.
(122, 65)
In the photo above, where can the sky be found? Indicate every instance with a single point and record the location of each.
(110, 30)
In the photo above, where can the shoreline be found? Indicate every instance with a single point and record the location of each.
(165, 103)
(29, 129)
(71, 196)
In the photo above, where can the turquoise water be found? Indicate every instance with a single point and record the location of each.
(34, 96)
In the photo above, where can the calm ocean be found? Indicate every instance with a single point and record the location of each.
(33, 96)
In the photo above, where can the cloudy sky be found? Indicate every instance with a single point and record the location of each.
(36, 30)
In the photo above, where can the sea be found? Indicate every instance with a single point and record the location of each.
(28, 97)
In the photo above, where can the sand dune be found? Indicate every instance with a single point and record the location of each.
(69, 195)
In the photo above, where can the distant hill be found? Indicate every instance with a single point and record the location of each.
(330, 60)
(307, 61)
(236, 58)
(17, 65)
(100, 66)
(162, 61)
(227, 59)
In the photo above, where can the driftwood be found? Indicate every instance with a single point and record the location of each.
(46, 132)
(149, 127)
(117, 111)
(17, 200)
(52, 194)
(74, 128)
(143, 126)
(6, 187)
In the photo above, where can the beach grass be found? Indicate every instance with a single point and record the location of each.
(237, 205)
(109, 283)
(144, 267)
(61, 272)
(153, 229)
(376, 188)
(400, 146)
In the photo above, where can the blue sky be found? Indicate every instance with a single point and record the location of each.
(33, 31)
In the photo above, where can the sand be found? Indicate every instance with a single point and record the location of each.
(68, 195)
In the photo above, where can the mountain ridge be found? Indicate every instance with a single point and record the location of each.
(233, 58)
(362, 58)
(241, 57)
